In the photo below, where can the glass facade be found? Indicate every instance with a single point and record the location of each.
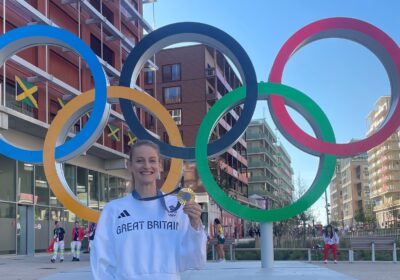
(42, 238)
(28, 207)
(7, 179)
(41, 187)
(7, 228)
(25, 183)
(24, 186)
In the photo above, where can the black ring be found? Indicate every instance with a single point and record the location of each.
(190, 32)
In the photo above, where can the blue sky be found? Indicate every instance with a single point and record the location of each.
(344, 78)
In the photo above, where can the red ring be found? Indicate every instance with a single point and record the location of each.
(310, 33)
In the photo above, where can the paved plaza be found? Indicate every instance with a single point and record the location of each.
(39, 267)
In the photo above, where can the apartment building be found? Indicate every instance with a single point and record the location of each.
(270, 171)
(384, 169)
(189, 81)
(350, 191)
(28, 208)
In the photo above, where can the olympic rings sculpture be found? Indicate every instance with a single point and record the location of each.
(324, 145)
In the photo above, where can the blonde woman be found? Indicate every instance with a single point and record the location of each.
(146, 235)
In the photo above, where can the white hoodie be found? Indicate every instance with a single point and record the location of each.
(138, 239)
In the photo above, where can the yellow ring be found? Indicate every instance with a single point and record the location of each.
(63, 192)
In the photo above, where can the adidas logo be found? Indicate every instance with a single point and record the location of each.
(123, 214)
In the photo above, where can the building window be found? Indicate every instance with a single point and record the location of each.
(172, 95)
(104, 9)
(117, 187)
(149, 77)
(7, 179)
(93, 184)
(149, 120)
(108, 54)
(18, 105)
(176, 115)
(149, 91)
(25, 183)
(82, 185)
(41, 186)
(8, 228)
(171, 72)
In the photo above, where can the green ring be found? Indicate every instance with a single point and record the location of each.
(326, 168)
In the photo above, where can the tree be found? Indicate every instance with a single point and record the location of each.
(301, 188)
(335, 224)
(360, 216)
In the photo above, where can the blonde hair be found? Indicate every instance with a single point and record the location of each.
(140, 143)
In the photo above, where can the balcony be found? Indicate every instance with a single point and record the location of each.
(213, 96)
(238, 156)
(221, 77)
(384, 189)
(391, 147)
(238, 196)
(270, 195)
(391, 178)
(209, 72)
(260, 136)
(390, 168)
(260, 150)
(388, 205)
(25, 124)
(135, 15)
(233, 172)
(263, 179)
(227, 127)
(259, 164)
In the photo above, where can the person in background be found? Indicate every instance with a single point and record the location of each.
(91, 233)
(220, 239)
(76, 243)
(331, 239)
(251, 232)
(59, 233)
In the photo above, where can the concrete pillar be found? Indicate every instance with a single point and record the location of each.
(267, 245)
(30, 245)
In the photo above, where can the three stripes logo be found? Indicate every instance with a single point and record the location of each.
(123, 214)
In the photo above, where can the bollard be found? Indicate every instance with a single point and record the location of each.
(267, 245)
(373, 252)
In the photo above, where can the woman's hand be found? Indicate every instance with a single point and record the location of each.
(193, 210)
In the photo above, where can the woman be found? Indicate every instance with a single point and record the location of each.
(220, 239)
(139, 236)
(331, 239)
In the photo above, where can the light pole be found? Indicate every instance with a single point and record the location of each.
(327, 205)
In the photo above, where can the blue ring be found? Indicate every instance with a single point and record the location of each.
(56, 36)
(203, 33)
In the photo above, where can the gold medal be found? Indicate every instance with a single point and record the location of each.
(185, 195)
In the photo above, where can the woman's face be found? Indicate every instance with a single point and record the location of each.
(145, 165)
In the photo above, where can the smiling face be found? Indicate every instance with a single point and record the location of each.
(145, 165)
